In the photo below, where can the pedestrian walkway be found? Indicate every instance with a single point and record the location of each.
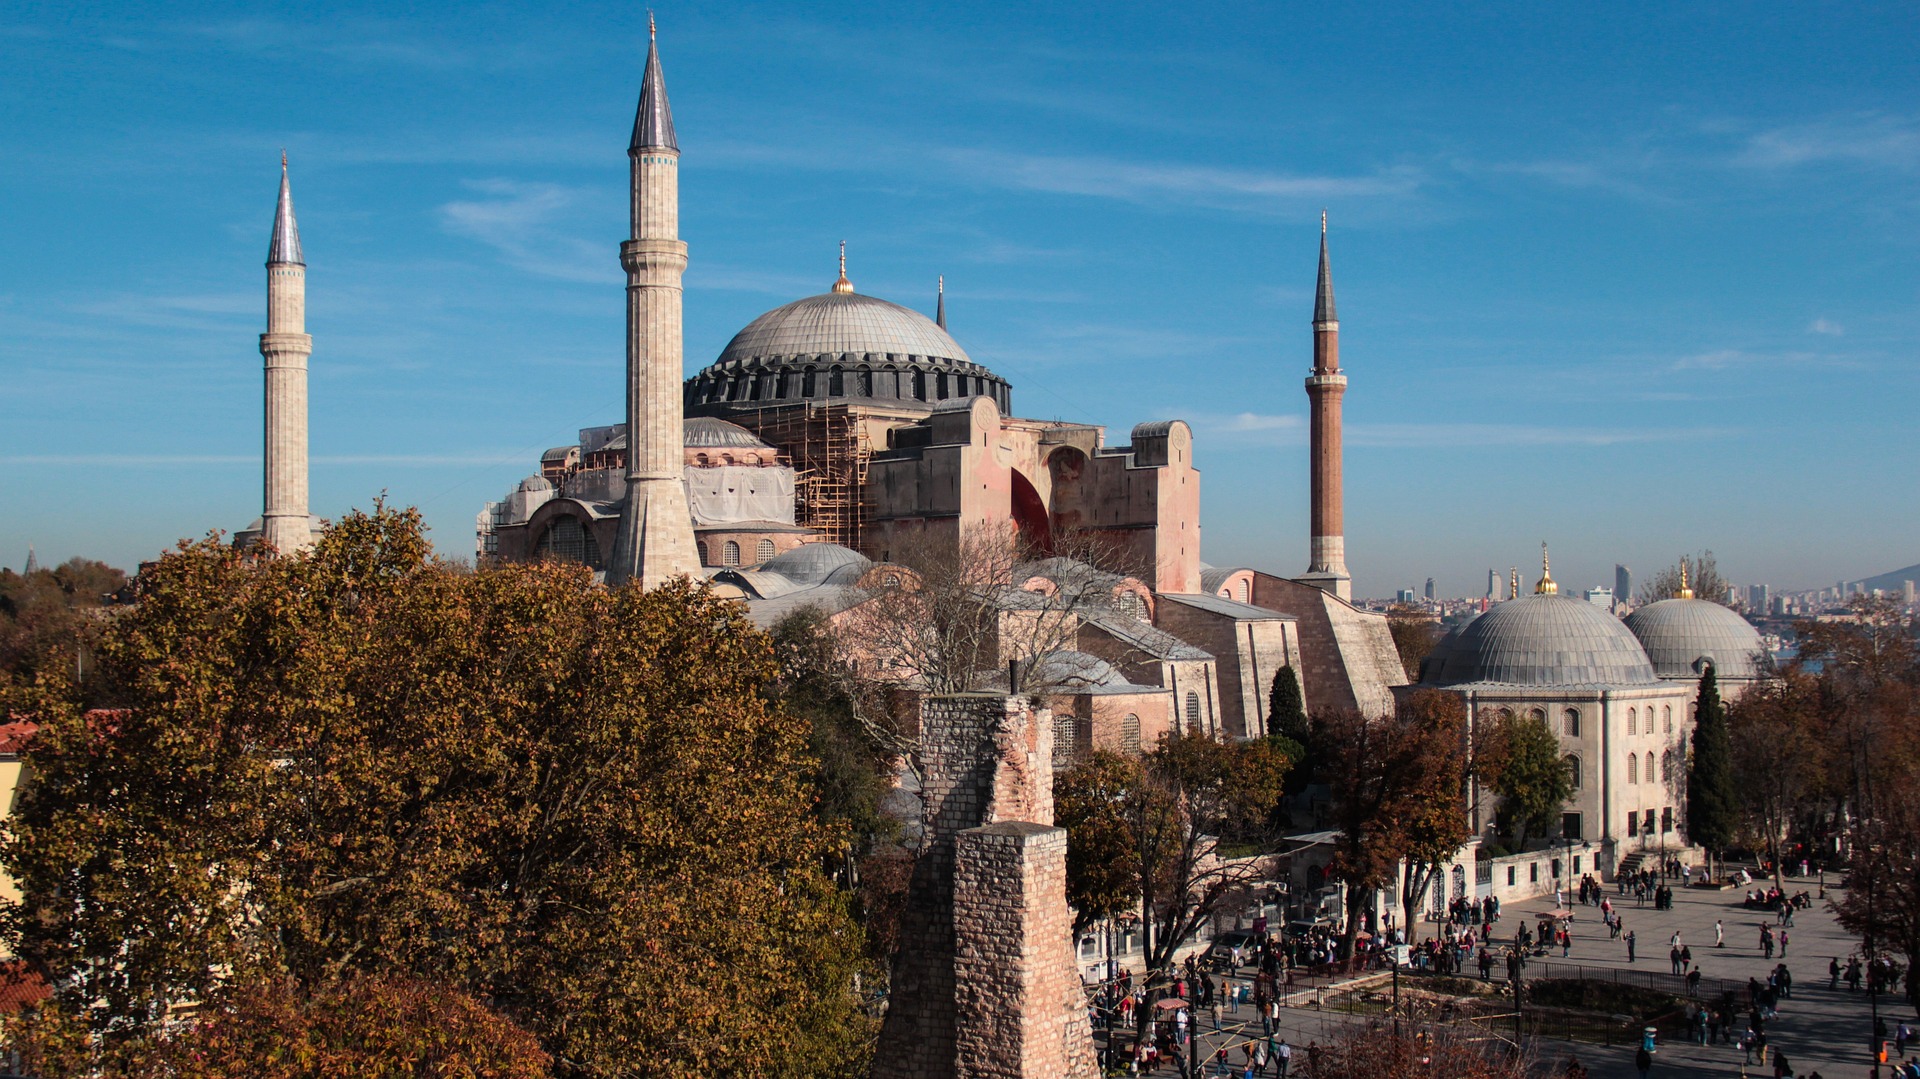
(1820, 1029)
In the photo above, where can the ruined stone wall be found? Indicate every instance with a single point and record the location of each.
(984, 980)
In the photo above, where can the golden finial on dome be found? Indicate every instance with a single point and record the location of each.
(1547, 585)
(1685, 592)
(1513, 582)
(843, 285)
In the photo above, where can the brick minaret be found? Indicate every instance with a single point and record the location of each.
(1327, 562)
(285, 346)
(655, 542)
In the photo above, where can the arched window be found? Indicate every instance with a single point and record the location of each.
(567, 540)
(1538, 715)
(1246, 592)
(1193, 711)
(1130, 734)
(1573, 770)
(1570, 723)
(764, 551)
(730, 554)
(1633, 721)
(1666, 719)
(700, 460)
(1633, 768)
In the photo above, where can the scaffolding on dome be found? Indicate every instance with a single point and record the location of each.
(830, 451)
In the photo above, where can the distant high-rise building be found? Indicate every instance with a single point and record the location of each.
(1430, 592)
(1493, 583)
(1907, 588)
(1600, 597)
(1759, 598)
(1622, 583)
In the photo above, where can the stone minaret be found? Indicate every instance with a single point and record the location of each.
(655, 543)
(1327, 562)
(286, 346)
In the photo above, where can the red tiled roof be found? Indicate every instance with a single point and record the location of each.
(19, 987)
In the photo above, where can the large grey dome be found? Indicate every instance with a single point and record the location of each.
(1678, 634)
(1543, 641)
(841, 345)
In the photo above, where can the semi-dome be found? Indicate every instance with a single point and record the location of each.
(813, 563)
(708, 432)
(1543, 640)
(841, 345)
(1684, 636)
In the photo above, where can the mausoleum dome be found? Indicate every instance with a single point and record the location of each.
(1683, 636)
(813, 563)
(1543, 640)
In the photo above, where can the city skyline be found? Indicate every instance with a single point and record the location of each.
(1556, 310)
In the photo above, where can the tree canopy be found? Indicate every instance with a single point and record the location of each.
(572, 803)
(1521, 761)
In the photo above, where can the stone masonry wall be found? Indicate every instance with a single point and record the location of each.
(984, 980)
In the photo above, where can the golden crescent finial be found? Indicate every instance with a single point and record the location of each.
(843, 285)
(283, 159)
(651, 31)
(1323, 222)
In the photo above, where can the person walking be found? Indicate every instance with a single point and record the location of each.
(1783, 944)
(1833, 973)
(1630, 939)
(1283, 1059)
(1673, 956)
(1781, 1069)
(1644, 1061)
(1719, 934)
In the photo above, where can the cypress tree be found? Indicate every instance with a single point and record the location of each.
(1286, 710)
(1711, 802)
(1288, 728)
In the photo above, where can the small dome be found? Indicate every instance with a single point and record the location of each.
(813, 563)
(706, 432)
(535, 483)
(1678, 634)
(1542, 640)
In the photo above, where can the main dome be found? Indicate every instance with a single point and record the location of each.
(841, 345)
(1543, 640)
(1679, 634)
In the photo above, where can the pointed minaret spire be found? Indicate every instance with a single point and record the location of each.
(1327, 541)
(843, 285)
(33, 561)
(284, 248)
(654, 543)
(1323, 293)
(653, 123)
(940, 304)
(285, 347)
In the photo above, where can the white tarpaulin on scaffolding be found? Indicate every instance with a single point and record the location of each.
(734, 493)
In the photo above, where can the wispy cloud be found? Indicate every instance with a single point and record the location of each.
(1724, 359)
(521, 221)
(1827, 327)
(1471, 435)
(1863, 138)
(1195, 185)
(196, 460)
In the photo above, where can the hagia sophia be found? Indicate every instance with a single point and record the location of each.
(836, 428)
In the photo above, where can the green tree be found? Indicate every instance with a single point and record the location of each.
(1286, 708)
(1529, 774)
(47, 617)
(1161, 817)
(573, 802)
(1711, 800)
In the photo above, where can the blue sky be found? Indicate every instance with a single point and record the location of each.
(1633, 279)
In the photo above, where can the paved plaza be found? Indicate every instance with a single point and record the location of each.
(1819, 1029)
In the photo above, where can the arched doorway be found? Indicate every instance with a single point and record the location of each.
(1030, 518)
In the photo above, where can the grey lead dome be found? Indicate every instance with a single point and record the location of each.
(842, 345)
(1543, 641)
(1679, 633)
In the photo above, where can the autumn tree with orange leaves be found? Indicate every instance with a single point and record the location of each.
(573, 804)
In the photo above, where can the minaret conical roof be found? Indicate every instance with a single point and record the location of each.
(1323, 295)
(653, 123)
(285, 246)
